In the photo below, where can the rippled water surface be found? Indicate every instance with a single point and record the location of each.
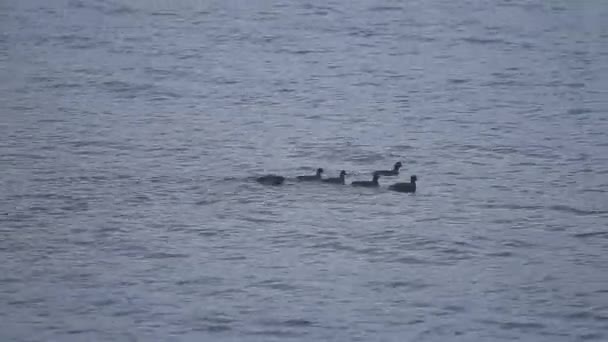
(130, 130)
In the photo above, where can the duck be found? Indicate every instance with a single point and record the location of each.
(405, 187)
(393, 172)
(311, 178)
(336, 180)
(368, 184)
(271, 180)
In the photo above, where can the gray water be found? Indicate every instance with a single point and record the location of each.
(130, 130)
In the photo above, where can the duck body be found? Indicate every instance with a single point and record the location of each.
(336, 180)
(316, 177)
(405, 187)
(393, 172)
(271, 180)
(368, 184)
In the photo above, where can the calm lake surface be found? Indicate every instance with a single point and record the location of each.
(130, 132)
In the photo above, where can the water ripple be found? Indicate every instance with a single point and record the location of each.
(132, 132)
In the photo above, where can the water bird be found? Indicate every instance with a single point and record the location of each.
(316, 177)
(368, 184)
(271, 180)
(405, 187)
(336, 180)
(393, 172)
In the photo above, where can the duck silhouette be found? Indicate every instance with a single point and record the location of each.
(405, 187)
(271, 180)
(336, 180)
(368, 184)
(316, 177)
(393, 172)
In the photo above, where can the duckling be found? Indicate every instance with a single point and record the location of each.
(311, 178)
(405, 187)
(393, 172)
(271, 180)
(368, 184)
(336, 180)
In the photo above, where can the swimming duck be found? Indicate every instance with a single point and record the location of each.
(336, 180)
(405, 187)
(393, 172)
(368, 184)
(271, 180)
(311, 178)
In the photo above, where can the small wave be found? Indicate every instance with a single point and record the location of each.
(459, 80)
(200, 281)
(333, 246)
(603, 234)
(214, 328)
(208, 233)
(527, 46)
(297, 323)
(507, 83)
(163, 255)
(364, 159)
(233, 258)
(510, 206)
(278, 333)
(109, 230)
(592, 336)
(141, 198)
(20, 156)
(575, 85)
(454, 308)
(302, 51)
(362, 33)
(218, 319)
(21, 108)
(274, 284)
(76, 207)
(409, 260)
(581, 212)
(260, 220)
(501, 254)
(518, 244)
(43, 196)
(522, 325)
(80, 331)
(385, 8)
(484, 41)
(207, 202)
(163, 96)
(118, 10)
(291, 326)
(10, 280)
(51, 120)
(585, 315)
(65, 85)
(515, 325)
(125, 87)
(405, 285)
(163, 14)
(579, 111)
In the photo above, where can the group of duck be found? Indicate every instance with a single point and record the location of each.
(399, 187)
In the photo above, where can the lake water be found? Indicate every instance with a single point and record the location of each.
(130, 132)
